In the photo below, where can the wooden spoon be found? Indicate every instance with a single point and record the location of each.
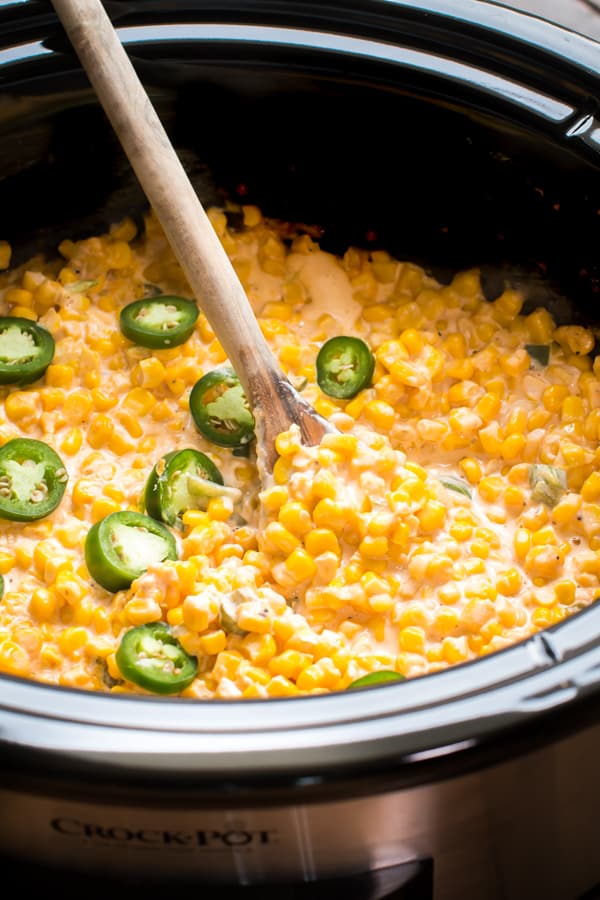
(275, 404)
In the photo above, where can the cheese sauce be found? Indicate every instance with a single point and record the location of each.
(455, 511)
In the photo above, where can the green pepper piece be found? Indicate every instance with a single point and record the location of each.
(182, 480)
(1, 586)
(548, 483)
(156, 322)
(78, 287)
(455, 484)
(228, 622)
(345, 366)
(219, 409)
(384, 676)
(540, 353)
(122, 545)
(26, 350)
(151, 657)
(33, 479)
(229, 612)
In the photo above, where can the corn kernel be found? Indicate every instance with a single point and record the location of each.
(295, 517)
(281, 470)
(22, 405)
(554, 396)
(43, 604)
(281, 539)
(565, 592)
(7, 561)
(5, 254)
(522, 542)
(590, 490)
(432, 516)
(412, 640)
(509, 582)
(213, 642)
(300, 564)
(454, 650)
(72, 640)
(376, 547)
(71, 444)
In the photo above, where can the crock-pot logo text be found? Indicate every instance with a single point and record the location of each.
(209, 838)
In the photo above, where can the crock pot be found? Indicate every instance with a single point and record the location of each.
(452, 133)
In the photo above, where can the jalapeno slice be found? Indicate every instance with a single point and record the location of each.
(26, 350)
(220, 410)
(33, 479)
(155, 322)
(384, 676)
(181, 480)
(345, 366)
(153, 658)
(121, 546)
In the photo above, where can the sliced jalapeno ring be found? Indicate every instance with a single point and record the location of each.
(182, 480)
(26, 350)
(155, 322)
(33, 479)
(384, 676)
(152, 657)
(220, 410)
(120, 547)
(345, 366)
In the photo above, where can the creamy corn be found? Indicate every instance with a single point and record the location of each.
(414, 539)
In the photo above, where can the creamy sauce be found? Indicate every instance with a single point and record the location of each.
(358, 557)
(328, 288)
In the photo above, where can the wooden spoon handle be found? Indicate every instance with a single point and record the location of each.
(169, 191)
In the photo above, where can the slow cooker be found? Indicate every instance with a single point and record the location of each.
(452, 133)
